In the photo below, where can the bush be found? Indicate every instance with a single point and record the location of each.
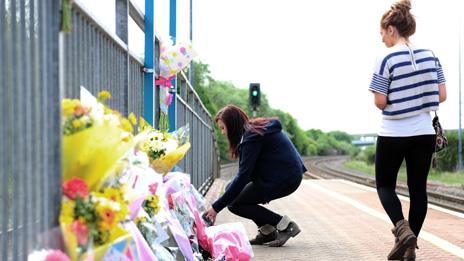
(367, 155)
(447, 160)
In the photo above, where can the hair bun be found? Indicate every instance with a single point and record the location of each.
(403, 6)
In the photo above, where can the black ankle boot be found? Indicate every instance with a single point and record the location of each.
(291, 229)
(262, 239)
(266, 234)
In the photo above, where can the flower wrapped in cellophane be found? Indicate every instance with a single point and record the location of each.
(91, 221)
(94, 138)
(166, 149)
(174, 57)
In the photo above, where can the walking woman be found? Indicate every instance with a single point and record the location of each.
(408, 84)
(269, 168)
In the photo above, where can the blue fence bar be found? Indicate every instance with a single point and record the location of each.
(173, 33)
(148, 76)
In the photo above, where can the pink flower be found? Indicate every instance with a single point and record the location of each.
(57, 255)
(153, 188)
(81, 231)
(75, 186)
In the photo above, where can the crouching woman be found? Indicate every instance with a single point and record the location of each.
(269, 168)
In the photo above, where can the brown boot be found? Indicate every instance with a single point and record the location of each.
(405, 238)
(410, 254)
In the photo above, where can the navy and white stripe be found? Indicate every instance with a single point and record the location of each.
(380, 84)
(441, 76)
(409, 77)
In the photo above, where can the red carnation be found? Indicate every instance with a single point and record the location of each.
(75, 186)
(170, 202)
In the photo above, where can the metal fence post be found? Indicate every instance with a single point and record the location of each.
(122, 31)
(148, 83)
(172, 32)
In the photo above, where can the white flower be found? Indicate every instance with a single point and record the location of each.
(171, 145)
(37, 255)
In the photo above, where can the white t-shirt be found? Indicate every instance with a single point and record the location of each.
(409, 77)
(420, 124)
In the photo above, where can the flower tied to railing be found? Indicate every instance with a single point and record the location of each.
(166, 94)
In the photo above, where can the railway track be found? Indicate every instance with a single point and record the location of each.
(323, 168)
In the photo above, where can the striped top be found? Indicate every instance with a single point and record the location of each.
(409, 77)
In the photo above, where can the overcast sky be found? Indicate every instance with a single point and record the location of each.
(314, 59)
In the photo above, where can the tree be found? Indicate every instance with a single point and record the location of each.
(217, 94)
(341, 136)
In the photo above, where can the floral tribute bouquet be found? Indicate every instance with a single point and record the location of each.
(90, 221)
(93, 131)
(173, 58)
(166, 149)
(151, 205)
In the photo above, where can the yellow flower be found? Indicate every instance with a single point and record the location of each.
(107, 110)
(140, 220)
(104, 95)
(132, 118)
(153, 202)
(69, 106)
(113, 194)
(76, 123)
(143, 125)
(67, 212)
(126, 125)
(145, 147)
(123, 212)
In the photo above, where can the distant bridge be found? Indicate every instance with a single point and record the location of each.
(363, 140)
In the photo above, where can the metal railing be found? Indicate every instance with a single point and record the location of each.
(203, 158)
(30, 131)
(96, 59)
(39, 67)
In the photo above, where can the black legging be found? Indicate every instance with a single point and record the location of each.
(246, 204)
(417, 151)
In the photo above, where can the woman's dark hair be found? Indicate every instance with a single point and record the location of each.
(237, 123)
(400, 17)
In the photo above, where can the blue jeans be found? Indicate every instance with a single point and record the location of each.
(246, 204)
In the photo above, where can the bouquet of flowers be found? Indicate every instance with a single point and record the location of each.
(151, 205)
(90, 221)
(166, 149)
(91, 130)
(76, 117)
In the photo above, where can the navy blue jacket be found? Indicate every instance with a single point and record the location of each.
(268, 161)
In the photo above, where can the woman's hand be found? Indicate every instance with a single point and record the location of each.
(211, 214)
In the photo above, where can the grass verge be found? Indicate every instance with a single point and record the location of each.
(450, 178)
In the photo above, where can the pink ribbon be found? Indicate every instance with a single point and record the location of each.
(166, 82)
